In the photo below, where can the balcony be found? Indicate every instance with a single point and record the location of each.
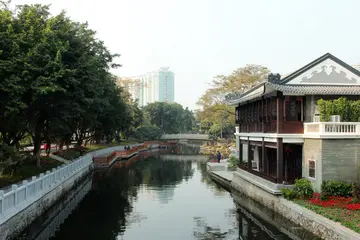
(332, 129)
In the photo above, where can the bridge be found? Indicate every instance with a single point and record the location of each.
(174, 157)
(185, 137)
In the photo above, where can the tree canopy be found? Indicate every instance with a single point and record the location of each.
(55, 81)
(217, 118)
(348, 110)
(170, 118)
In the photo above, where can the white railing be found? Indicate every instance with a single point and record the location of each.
(332, 128)
(20, 196)
(185, 136)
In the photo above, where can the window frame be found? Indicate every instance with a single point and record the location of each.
(314, 168)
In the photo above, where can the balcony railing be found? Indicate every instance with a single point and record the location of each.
(332, 128)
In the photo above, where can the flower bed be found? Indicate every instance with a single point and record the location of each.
(339, 209)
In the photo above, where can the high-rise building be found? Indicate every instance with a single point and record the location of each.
(156, 86)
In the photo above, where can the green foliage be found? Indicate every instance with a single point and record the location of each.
(303, 188)
(10, 158)
(56, 82)
(232, 164)
(335, 188)
(170, 118)
(147, 132)
(288, 193)
(348, 110)
(215, 116)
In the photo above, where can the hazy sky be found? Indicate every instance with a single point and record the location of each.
(199, 39)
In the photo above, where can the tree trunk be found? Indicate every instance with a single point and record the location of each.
(79, 142)
(37, 147)
(61, 145)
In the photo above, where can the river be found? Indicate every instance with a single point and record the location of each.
(157, 196)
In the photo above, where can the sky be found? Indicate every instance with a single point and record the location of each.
(199, 39)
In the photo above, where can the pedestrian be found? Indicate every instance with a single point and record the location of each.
(218, 155)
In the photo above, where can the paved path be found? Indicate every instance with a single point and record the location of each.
(219, 172)
(60, 159)
(215, 166)
(228, 175)
(119, 148)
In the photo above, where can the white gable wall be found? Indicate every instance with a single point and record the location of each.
(328, 72)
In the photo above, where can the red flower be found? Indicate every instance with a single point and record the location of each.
(335, 202)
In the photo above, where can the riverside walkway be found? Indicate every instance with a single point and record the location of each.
(107, 160)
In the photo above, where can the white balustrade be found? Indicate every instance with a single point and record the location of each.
(332, 128)
(22, 195)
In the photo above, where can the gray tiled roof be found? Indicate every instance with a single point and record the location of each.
(275, 83)
(317, 89)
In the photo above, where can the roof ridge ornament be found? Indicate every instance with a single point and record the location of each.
(274, 78)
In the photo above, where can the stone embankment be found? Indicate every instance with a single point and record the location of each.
(299, 216)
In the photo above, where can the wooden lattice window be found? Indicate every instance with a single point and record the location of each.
(312, 168)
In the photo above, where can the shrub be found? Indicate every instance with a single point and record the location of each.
(303, 188)
(232, 164)
(288, 193)
(10, 159)
(336, 189)
(356, 193)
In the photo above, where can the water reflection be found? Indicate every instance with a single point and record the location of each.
(258, 222)
(161, 195)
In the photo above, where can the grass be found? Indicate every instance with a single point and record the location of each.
(348, 218)
(27, 170)
(69, 154)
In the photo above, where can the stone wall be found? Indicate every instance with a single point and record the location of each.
(45, 226)
(340, 159)
(312, 150)
(335, 159)
(21, 220)
(263, 213)
(242, 185)
(310, 221)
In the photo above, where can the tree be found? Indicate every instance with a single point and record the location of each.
(147, 132)
(170, 118)
(215, 116)
(55, 81)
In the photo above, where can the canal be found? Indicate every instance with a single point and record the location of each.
(159, 195)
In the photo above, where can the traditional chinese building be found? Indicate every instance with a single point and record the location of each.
(280, 136)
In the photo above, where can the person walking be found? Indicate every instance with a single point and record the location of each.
(218, 155)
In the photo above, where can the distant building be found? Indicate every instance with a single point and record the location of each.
(156, 86)
(129, 84)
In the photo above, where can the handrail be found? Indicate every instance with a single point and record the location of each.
(332, 128)
(25, 193)
(22, 195)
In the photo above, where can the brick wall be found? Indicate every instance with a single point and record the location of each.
(341, 159)
(335, 159)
